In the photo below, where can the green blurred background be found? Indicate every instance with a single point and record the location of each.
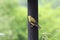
(14, 24)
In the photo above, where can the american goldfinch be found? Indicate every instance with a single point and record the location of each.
(32, 21)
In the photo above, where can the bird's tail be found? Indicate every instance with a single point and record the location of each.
(38, 26)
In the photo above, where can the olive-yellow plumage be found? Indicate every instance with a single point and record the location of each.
(32, 21)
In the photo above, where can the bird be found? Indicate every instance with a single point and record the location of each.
(32, 21)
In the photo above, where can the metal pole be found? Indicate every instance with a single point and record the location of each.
(33, 11)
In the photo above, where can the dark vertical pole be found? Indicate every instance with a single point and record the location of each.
(33, 11)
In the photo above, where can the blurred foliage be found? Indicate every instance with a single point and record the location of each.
(13, 20)
(49, 19)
